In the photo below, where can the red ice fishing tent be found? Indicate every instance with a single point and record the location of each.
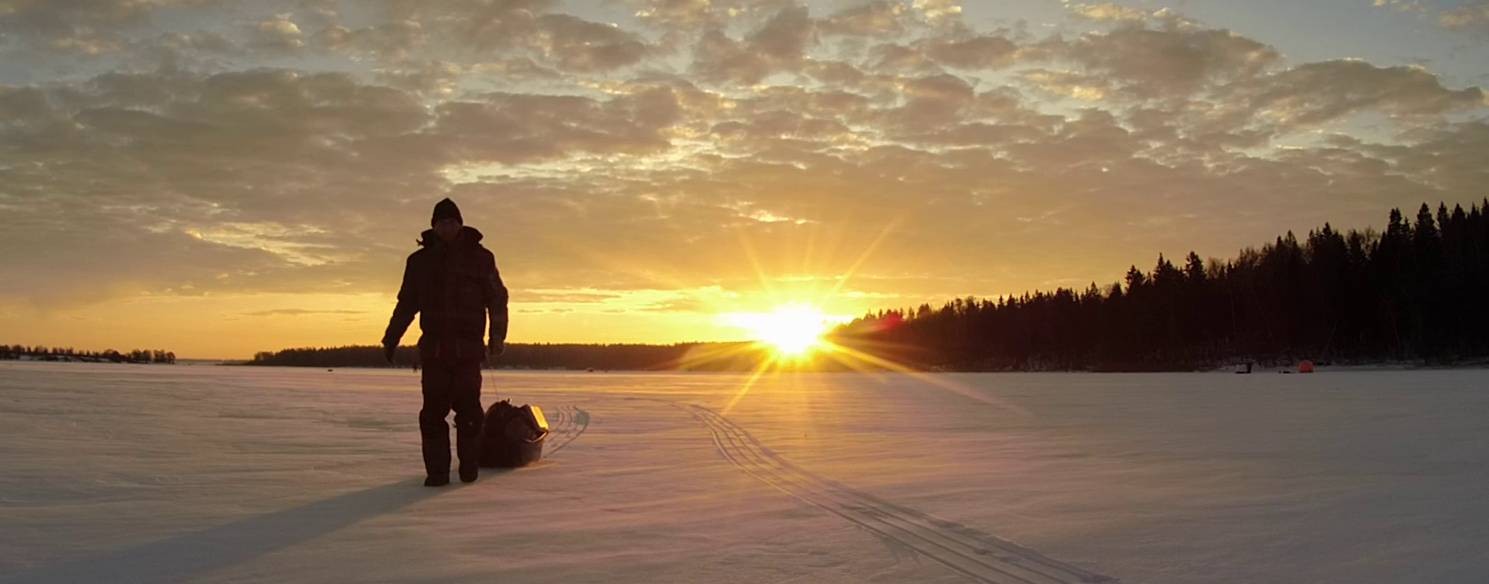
(512, 436)
(1305, 366)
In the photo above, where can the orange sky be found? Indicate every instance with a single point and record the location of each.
(219, 180)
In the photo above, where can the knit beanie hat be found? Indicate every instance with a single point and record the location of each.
(446, 209)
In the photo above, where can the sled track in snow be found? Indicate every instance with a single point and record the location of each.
(979, 556)
(567, 424)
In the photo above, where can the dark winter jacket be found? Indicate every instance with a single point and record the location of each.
(452, 286)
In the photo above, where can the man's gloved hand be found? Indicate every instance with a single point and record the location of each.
(496, 348)
(389, 351)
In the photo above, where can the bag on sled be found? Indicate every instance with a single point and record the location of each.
(512, 436)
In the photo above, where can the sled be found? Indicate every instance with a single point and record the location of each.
(512, 436)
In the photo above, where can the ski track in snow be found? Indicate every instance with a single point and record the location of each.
(568, 424)
(979, 556)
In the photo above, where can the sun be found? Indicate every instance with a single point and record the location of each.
(792, 330)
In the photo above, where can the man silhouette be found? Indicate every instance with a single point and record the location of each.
(452, 282)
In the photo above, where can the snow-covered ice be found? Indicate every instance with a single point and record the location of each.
(113, 473)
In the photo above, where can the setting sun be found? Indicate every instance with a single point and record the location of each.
(793, 330)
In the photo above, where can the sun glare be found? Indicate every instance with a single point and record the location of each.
(792, 330)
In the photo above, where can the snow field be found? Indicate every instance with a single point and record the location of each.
(226, 474)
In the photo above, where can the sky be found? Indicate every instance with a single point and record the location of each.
(219, 178)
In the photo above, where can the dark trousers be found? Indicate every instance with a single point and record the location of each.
(451, 385)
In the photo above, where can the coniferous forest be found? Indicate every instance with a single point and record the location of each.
(43, 353)
(1419, 291)
(682, 356)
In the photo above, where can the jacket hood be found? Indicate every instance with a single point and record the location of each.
(468, 236)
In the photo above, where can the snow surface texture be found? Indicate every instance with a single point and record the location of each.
(112, 473)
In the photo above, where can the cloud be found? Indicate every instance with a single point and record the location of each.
(1448, 158)
(698, 15)
(186, 182)
(1401, 5)
(1315, 93)
(779, 44)
(931, 102)
(938, 11)
(267, 179)
(568, 296)
(976, 52)
(1469, 17)
(279, 33)
(513, 128)
(785, 37)
(1472, 17)
(879, 18)
(1173, 61)
(390, 41)
(197, 41)
(1106, 12)
(575, 44)
(299, 312)
(1067, 84)
(89, 27)
(473, 32)
(325, 12)
(433, 78)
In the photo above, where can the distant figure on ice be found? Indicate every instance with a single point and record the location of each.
(452, 282)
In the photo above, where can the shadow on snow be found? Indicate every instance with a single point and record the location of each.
(183, 556)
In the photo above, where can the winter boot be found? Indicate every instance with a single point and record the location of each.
(468, 446)
(437, 480)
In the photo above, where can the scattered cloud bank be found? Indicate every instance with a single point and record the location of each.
(298, 146)
(1472, 17)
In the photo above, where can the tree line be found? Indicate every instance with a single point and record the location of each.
(682, 356)
(44, 353)
(1419, 291)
